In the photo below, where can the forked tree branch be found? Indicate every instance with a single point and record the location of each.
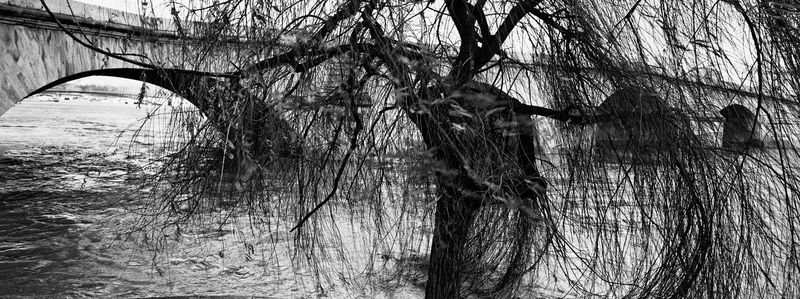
(517, 13)
(493, 42)
(305, 59)
(480, 18)
(345, 11)
(461, 14)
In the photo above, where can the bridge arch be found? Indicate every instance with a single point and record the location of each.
(741, 129)
(38, 47)
(642, 127)
(32, 57)
(181, 82)
(269, 133)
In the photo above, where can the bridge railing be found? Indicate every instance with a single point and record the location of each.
(77, 16)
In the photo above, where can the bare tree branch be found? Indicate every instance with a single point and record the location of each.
(465, 25)
(517, 13)
(493, 42)
(345, 11)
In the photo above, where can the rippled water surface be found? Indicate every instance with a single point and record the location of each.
(68, 202)
(66, 210)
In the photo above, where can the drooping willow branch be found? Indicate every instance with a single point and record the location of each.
(349, 87)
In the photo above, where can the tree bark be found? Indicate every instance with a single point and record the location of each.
(452, 221)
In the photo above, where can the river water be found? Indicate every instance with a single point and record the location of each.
(67, 202)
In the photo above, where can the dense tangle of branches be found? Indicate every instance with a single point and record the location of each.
(521, 147)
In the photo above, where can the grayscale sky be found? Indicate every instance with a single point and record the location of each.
(737, 44)
(155, 7)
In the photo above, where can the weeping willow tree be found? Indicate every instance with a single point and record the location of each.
(517, 148)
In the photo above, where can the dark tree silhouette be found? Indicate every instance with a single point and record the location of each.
(572, 147)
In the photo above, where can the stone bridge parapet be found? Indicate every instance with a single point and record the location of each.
(37, 48)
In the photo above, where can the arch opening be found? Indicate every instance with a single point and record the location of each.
(741, 129)
(100, 114)
(212, 97)
(643, 129)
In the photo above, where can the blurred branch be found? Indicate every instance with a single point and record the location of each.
(294, 57)
(345, 11)
(570, 115)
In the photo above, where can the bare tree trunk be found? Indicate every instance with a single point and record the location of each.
(452, 221)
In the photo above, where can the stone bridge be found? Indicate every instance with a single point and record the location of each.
(43, 45)
(40, 49)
